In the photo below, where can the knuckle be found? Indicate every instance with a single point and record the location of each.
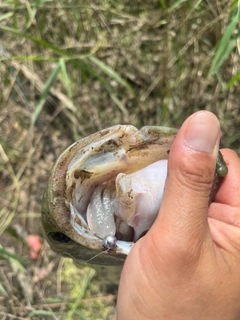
(197, 176)
(229, 155)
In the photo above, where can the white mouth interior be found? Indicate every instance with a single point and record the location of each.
(124, 206)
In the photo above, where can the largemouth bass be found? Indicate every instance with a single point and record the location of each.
(105, 191)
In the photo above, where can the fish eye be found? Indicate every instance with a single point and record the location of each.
(59, 236)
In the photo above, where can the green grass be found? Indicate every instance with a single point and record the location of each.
(227, 43)
(71, 68)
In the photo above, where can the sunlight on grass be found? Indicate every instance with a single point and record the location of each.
(7, 213)
(81, 292)
(71, 68)
(227, 43)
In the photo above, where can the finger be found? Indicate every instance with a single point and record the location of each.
(182, 219)
(226, 205)
(228, 192)
(224, 212)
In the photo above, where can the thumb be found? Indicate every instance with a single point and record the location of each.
(182, 220)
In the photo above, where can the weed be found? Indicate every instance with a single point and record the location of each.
(70, 68)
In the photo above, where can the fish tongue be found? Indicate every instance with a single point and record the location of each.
(139, 196)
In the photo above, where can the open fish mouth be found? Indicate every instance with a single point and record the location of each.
(105, 192)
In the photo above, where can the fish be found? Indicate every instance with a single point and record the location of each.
(105, 190)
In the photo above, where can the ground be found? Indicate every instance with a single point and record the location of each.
(71, 68)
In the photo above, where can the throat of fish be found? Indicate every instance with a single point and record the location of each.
(128, 206)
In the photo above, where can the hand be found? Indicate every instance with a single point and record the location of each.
(188, 265)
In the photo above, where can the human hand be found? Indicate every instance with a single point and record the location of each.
(188, 264)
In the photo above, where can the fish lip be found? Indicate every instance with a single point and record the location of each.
(123, 247)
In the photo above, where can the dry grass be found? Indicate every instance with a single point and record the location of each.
(73, 68)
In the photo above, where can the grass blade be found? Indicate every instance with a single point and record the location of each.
(41, 42)
(3, 292)
(163, 4)
(225, 46)
(66, 80)
(9, 255)
(110, 72)
(119, 104)
(81, 315)
(43, 313)
(45, 93)
(7, 214)
(235, 79)
(82, 290)
(218, 63)
(176, 5)
(6, 16)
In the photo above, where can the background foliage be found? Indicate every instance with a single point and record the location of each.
(70, 68)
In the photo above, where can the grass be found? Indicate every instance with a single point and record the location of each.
(71, 68)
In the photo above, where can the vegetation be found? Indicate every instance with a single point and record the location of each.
(70, 68)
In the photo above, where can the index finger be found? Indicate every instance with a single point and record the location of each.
(229, 191)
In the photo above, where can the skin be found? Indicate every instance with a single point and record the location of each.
(187, 265)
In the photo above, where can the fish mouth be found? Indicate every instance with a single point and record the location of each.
(93, 193)
(114, 186)
(105, 192)
(125, 207)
